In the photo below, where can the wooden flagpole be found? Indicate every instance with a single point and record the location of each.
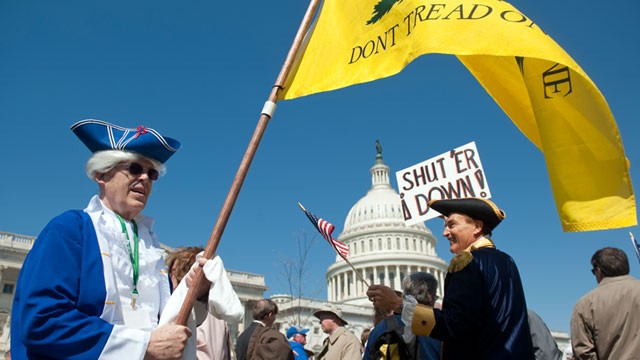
(241, 174)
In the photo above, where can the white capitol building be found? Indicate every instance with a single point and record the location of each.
(383, 250)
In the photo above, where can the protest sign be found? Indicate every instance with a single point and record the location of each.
(455, 174)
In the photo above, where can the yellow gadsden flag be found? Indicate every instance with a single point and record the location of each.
(540, 87)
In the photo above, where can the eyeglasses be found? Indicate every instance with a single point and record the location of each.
(593, 271)
(136, 169)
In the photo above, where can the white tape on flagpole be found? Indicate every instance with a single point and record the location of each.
(269, 108)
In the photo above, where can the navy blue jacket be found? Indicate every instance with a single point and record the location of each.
(484, 312)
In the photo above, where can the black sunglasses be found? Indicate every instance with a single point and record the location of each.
(136, 169)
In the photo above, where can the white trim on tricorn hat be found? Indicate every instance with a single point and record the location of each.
(100, 135)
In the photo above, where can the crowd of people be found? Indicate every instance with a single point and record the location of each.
(96, 284)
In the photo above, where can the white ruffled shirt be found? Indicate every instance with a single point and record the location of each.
(153, 282)
(153, 285)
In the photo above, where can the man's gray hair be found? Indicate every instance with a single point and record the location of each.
(103, 161)
(422, 286)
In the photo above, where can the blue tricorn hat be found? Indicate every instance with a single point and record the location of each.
(476, 208)
(99, 135)
(296, 330)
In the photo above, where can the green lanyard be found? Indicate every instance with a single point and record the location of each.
(133, 255)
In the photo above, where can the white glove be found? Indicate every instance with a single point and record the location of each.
(223, 300)
(408, 308)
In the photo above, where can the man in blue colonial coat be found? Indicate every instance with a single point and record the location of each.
(484, 312)
(95, 284)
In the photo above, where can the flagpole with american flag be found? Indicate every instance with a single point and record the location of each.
(325, 229)
(635, 244)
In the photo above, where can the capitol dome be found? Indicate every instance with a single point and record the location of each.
(382, 249)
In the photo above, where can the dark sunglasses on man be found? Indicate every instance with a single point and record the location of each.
(136, 169)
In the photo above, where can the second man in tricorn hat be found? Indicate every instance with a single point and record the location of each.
(484, 313)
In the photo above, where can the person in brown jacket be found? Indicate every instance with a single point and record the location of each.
(260, 341)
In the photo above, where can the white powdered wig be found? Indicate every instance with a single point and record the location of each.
(103, 161)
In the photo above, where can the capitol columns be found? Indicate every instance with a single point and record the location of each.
(387, 280)
(354, 276)
(375, 275)
(397, 277)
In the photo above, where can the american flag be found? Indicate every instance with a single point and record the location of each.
(636, 246)
(325, 229)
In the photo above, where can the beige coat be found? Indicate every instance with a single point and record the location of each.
(605, 323)
(341, 345)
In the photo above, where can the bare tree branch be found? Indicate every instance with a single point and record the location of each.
(295, 270)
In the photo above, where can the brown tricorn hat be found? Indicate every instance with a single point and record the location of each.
(476, 208)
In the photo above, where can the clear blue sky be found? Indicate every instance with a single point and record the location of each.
(200, 71)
